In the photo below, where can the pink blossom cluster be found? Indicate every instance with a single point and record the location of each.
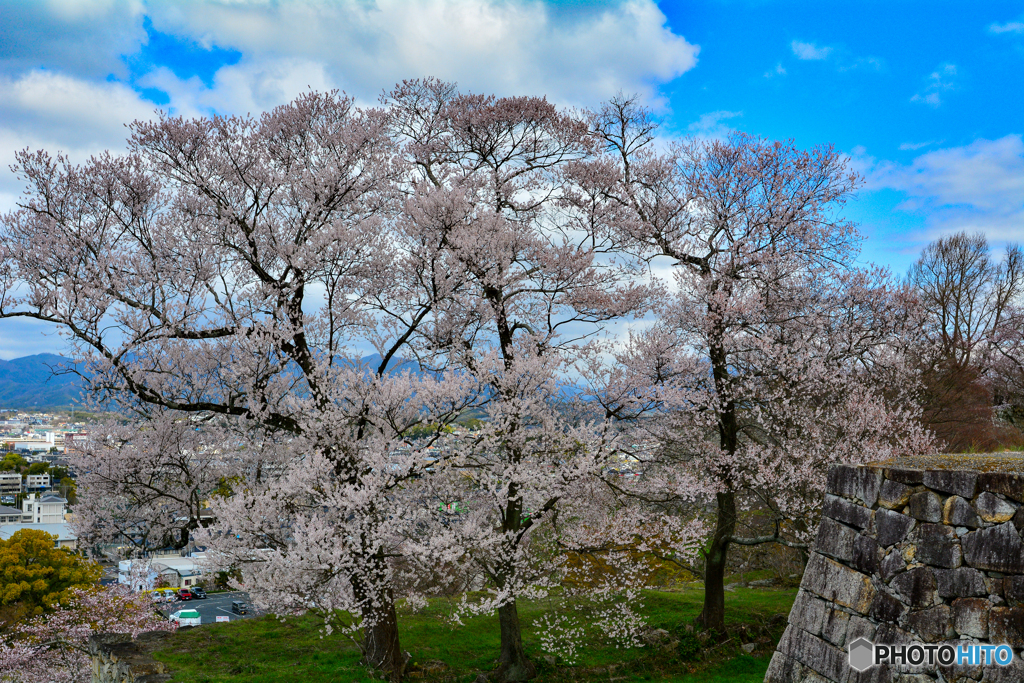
(54, 645)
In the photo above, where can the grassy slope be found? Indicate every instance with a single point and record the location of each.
(267, 650)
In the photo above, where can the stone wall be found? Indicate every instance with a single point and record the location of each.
(925, 550)
(116, 658)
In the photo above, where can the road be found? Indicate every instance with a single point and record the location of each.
(215, 605)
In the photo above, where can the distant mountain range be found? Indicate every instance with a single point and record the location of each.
(30, 382)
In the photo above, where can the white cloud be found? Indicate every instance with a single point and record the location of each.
(1008, 27)
(73, 111)
(979, 186)
(868, 63)
(503, 46)
(779, 70)
(79, 37)
(916, 145)
(711, 125)
(938, 82)
(45, 110)
(515, 46)
(250, 86)
(809, 51)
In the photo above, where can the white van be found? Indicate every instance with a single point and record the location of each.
(186, 617)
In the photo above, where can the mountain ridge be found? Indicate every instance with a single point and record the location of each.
(30, 382)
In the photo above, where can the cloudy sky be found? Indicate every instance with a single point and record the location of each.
(924, 97)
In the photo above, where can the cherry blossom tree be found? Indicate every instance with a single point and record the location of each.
(54, 646)
(237, 270)
(781, 355)
(146, 485)
(486, 177)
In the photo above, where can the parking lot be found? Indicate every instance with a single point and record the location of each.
(215, 605)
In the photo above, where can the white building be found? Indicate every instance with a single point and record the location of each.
(66, 537)
(49, 509)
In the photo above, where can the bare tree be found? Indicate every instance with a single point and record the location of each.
(970, 359)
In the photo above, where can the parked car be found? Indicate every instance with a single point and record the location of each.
(239, 607)
(170, 595)
(198, 593)
(186, 617)
(184, 594)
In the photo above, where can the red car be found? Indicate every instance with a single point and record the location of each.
(185, 594)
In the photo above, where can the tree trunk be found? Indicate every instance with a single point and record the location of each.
(713, 615)
(381, 648)
(513, 662)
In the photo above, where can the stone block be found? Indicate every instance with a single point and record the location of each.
(784, 669)
(938, 546)
(1010, 485)
(887, 608)
(833, 628)
(893, 495)
(808, 612)
(857, 482)
(925, 506)
(958, 512)
(891, 527)
(970, 617)
(961, 483)
(1013, 590)
(816, 654)
(865, 555)
(996, 548)
(835, 540)
(992, 508)
(1006, 625)
(1018, 519)
(916, 586)
(860, 628)
(905, 475)
(847, 512)
(960, 673)
(1012, 673)
(838, 583)
(962, 582)
(891, 565)
(876, 674)
(894, 635)
(931, 625)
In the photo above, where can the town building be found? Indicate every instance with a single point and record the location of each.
(37, 482)
(171, 571)
(48, 509)
(10, 483)
(10, 515)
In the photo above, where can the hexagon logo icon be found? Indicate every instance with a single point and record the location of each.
(861, 654)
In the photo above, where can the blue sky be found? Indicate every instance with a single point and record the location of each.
(925, 97)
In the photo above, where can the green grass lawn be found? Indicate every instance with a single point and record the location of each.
(267, 650)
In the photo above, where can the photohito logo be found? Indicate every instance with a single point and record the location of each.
(864, 654)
